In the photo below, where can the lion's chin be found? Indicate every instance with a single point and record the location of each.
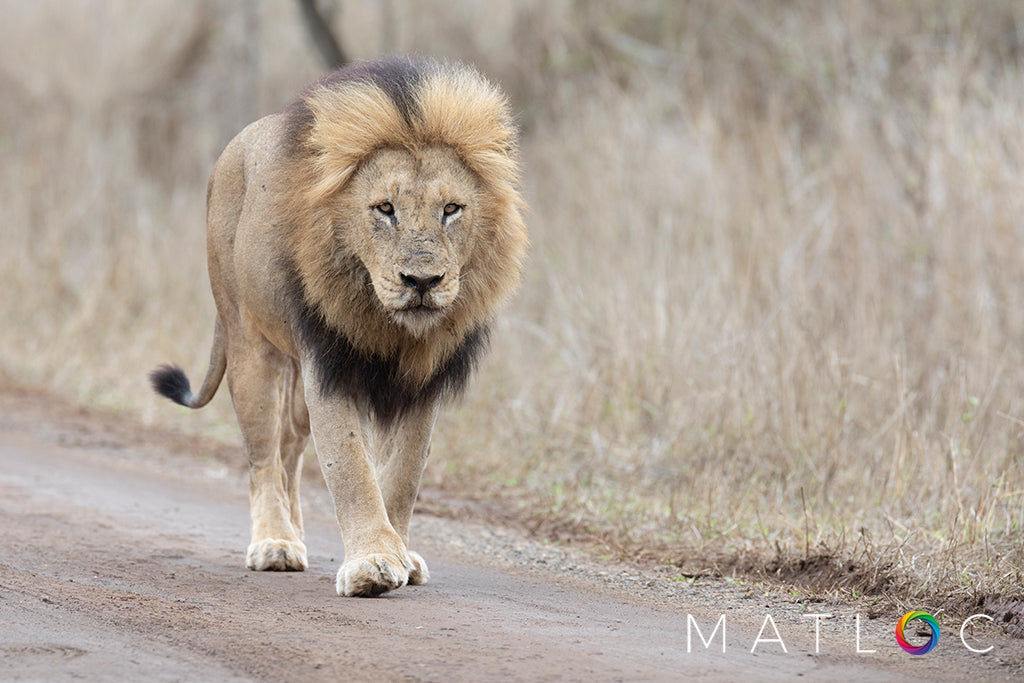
(418, 320)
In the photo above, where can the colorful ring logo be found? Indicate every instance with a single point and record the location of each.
(914, 616)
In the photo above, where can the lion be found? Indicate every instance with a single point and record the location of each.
(360, 243)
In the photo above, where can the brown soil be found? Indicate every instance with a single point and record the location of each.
(124, 560)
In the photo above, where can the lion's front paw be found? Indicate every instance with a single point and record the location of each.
(419, 574)
(371, 575)
(277, 555)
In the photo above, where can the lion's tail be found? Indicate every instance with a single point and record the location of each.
(170, 380)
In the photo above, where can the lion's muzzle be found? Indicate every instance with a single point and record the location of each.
(420, 283)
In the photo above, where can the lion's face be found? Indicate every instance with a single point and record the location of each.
(411, 221)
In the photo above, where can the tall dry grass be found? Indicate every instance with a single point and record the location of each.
(770, 310)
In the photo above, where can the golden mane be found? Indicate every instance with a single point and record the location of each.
(331, 129)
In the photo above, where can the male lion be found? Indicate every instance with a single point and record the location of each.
(359, 244)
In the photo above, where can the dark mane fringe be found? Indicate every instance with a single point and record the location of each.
(377, 381)
(398, 77)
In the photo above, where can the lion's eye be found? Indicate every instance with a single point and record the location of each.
(452, 208)
(386, 208)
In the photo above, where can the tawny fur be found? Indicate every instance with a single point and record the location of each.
(359, 244)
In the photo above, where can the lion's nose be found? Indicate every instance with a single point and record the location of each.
(421, 283)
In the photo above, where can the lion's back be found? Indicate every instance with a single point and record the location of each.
(245, 222)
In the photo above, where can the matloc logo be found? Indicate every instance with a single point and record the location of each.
(768, 629)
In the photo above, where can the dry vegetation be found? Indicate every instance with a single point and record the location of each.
(771, 317)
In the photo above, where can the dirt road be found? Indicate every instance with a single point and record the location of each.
(124, 560)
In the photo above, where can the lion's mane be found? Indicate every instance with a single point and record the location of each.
(331, 128)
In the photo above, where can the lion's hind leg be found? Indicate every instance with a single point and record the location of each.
(294, 437)
(419, 574)
(262, 385)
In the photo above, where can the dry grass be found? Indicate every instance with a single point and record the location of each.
(770, 315)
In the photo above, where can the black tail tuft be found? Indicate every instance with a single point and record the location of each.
(171, 381)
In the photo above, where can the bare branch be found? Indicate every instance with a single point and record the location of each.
(326, 44)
